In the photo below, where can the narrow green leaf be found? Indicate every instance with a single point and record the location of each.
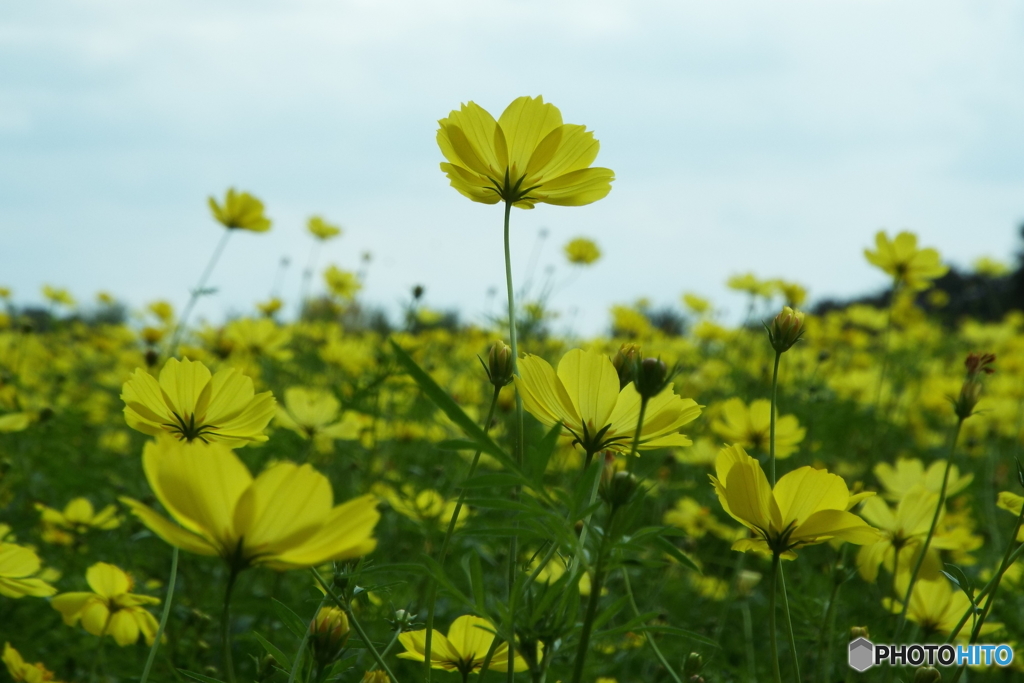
(675, 552)
(283, 660)
(294, 623)
(199, 677)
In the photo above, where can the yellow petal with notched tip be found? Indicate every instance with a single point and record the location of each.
(284, 507)
(748, 493)
(231, 392)
(442, 654)
(471, 636)
(525, 122)
(566, 149)
(577, 188)
(543, 393)
(183, 382)
(805, 490)
(123, 628)
(879, 514)
(347, 532)
(248, 426)
(171, 532)
(835, 524)
(592, 384)
(107, 580)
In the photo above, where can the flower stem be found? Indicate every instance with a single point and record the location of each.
(99, 648)
(163, 616)
(636, 434)
(198, 291)
(748, 641)
(931, 532)
(649, 640)
(432, 590)
(513, 544)
(771, 438)
(985, 591)
(595, 598)
(297, 664)
(773, 637)
(789, 625)
(225, 626)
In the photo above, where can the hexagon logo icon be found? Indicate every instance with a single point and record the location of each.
(862, 654)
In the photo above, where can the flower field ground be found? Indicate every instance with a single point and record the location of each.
(331, 498)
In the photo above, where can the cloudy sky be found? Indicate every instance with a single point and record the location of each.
(745, 135)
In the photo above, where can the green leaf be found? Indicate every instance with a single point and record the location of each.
(199, 677)
(449, 407)
(296, 624)
(475, 573)
(675, 552)
(538, 456)
(457, 445)
(283, 660)
(499, 480)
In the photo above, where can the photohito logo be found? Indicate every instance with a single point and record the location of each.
(864, 654)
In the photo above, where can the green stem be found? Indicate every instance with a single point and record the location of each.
(773, 637)
(574, 562)
(229, 664)
(432, 589)
(748, 640)
(391, 643)
(885, 345)
(595, 599)
(931, 532)
(347, 609)
(198, 291)
(163, 616)
(771, 438)
(636, 434)
(297, 664)
(513, 544)
(649, 639)
(99, 649)
(828, 624)
(789, 625)
(984, 591)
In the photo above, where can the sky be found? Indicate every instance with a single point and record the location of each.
(745, 136)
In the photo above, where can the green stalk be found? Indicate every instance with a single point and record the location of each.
(773, 637)
(636, 434)
(984, 591)
(595, 598)
(828, 625)
(99, 648)
(198, 291)
(931, 532)
(513, 544)
(649, 640)
(347, 609)
(297, 664)
(771, 438)
(789, 625)
(432, 590)
(225, 632)
(163, 616)
(748, 641)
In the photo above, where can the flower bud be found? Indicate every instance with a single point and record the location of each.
(859, 632)
(694, 663)
(617, 488)
(500, 364)
(651, 377)
(377, 676)
(329, 631)
(746, 580)
(927, 674)
(786, 329)
(970, 392)
(625, 361)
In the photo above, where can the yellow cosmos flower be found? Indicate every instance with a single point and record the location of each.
(78, 517)
(283, 519)
(935, 606)
(422, 506)
(240, 211)
(1012, 503)
(750, 427)
(19, 567)
(313, 414)
(528, 156)
(462, 650)
(909, 473)
(807, 506)
(191, 404)
(321, 229)
(582, 252)
(584, 398)
(111, 608)
(342, 283)
(915, 268)
(23, 672)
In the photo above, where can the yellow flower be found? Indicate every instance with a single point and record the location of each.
(313, 414)
(321, 229)
(697, 304)
(463, 650)
(582, 251)
(342, 283)
(527, 156)
(270, 306)
(111, 608)
(283, 519)
(377, 676)
(14, 422)
(908, 265)
(807, 506)
(1012, 503)
(58, 295)
(422, 506)
(751, 284)
(750, 427)
(584, 398)
(19, 567)
(23, 672)
(990, 267)
(78, 516)
(163, 310)
(910, 473)
(935, 606)
(190, 404)
(240, 211)
(697, 520)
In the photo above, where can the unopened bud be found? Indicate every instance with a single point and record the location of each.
(617, 488)
(625, 362)
(927, 674)
(329, 630)
(785, 329)
(266, 668)
(651, 377)
(859, 632)
(694, 663)
(152, 357)
(500, 364)
(402, 619)
(970, 392)
(377, 676)
(746, 580)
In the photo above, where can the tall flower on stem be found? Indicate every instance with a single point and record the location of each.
(525, 157)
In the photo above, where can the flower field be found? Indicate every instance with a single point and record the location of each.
(320, 497)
